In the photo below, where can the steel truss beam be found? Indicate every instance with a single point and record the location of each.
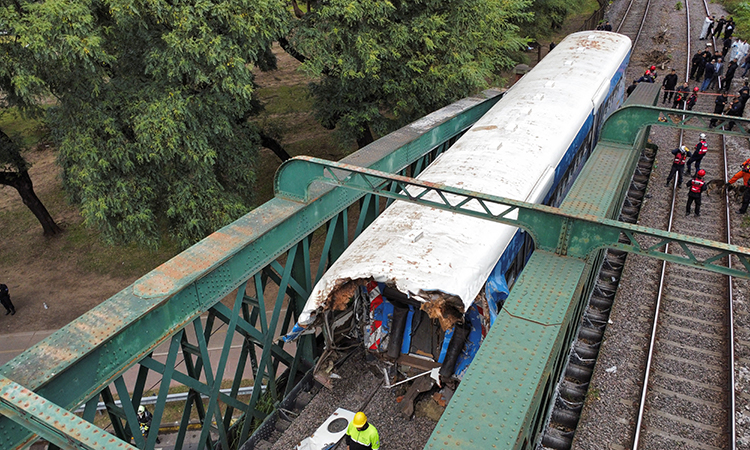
(623, 125)
(58, 425)
(552, 229)
(267, 252)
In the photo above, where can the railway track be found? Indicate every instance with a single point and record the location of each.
(687, 396)
(686, 399)
(688, 390)
(573, 387)
(632, 21)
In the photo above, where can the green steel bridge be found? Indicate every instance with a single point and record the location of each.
(252, 278)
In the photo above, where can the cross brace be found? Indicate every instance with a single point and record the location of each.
(552, 229)
(622, 125)
(56, 424)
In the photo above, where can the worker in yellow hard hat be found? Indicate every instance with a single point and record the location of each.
(361, 435)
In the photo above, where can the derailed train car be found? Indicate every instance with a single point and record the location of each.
(422, 285)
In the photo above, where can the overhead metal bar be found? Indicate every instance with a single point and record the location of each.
(553, 229)
(622, 125)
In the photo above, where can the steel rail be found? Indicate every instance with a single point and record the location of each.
(730, 294)
(732, 428)
(662, 275)
(643, 20)
(730, 310)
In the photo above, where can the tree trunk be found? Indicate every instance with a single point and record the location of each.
(287, 47)
(366, 138)
(21, 181)
(275, 146)
(297, 12)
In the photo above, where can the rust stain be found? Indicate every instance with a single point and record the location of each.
(444, 310)
(343, 293)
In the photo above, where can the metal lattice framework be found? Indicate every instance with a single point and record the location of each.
(553, 230)
(247, 281)
(250, 279)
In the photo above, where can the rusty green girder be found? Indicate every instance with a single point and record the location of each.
(623, 125)
(552, 229)
(60, 426)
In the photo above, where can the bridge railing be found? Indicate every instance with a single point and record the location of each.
(249, 279)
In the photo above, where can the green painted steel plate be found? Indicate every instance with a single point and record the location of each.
(503, 388)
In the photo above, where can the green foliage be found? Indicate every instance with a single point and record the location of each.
(740, 10)
(382, 64)
(152, 106)
(549, 16)
(678, 6)
(30, 131)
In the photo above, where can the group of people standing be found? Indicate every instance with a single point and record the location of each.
(697, 185)
(712, 27)
(708, 67)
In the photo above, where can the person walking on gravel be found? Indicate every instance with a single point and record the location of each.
(5, 300)
(692, 99)
(696, 62)
(708, 23)
(744, 173)
(361, 435)
(678, 163)
(682, 94)
(700, 150)
(719, 104)
(697, 186)
(731, 69)
(735, 110)
(706, 58)
(719, 26)
(744, 94)
(669, 83)
(708, 74)
(729, 28)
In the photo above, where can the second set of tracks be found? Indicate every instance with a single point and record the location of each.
(677, 360)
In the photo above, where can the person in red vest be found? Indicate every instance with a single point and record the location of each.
(678, 163)
(697, 186)
(744, 173)
(701, 148)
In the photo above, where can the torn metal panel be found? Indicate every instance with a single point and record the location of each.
(330, 433)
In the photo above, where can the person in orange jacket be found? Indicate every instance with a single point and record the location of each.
(744, 173)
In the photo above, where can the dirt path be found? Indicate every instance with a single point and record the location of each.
(41, 270)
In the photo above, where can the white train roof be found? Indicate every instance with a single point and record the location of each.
(510, 152)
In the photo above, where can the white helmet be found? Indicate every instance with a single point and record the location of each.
(703, 136)
(684, 149)
(141, 409)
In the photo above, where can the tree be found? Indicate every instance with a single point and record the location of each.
(549, 16)
(382, 64)
(153, 100)
(20, 67)
(14, 172)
